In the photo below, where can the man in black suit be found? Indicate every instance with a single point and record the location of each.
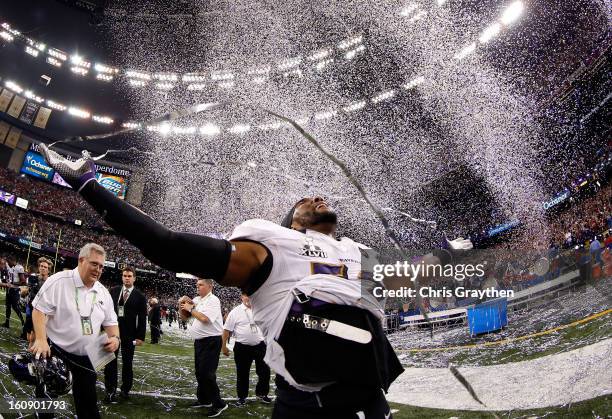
(155, 320)
(131, 308)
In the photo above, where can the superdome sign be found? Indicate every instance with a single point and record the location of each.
(556, 200)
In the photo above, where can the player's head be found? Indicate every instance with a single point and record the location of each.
(308, 213)
(11, 260)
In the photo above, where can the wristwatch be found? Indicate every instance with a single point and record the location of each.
(118, 338)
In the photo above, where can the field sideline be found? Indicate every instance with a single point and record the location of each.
(164, 378)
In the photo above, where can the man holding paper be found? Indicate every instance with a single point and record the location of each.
(69, 311)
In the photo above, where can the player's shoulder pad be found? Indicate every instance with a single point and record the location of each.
(257, 230)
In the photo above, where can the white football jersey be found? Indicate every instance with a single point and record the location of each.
(317, 264)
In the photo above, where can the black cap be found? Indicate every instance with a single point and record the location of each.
(288, 219)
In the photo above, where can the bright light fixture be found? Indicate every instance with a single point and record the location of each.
(490, 33)
(512, 13)
(210, 129)
(78, 112)
(13, 86)
(466, 51)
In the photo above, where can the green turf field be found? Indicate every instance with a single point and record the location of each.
(164, 373)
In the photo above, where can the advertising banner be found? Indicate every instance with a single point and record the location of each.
(58, 180)
(9, 198)
(35, 165)
(42, 117)
(30, 109)
(16, 106)
(556, 200)
(115, 184)
(5, 98)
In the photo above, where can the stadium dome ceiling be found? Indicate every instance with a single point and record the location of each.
(243, 37)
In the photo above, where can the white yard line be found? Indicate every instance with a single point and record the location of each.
(552, 380)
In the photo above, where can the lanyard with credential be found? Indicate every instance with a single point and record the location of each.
(251, 320)
(86, 325)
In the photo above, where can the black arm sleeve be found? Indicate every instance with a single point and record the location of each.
(178, 252)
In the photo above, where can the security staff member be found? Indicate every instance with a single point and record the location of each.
(206, 325)
(16, 277)
(249, 346)
(69, 310)
(131, 307)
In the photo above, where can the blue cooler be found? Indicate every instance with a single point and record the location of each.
(488, 317)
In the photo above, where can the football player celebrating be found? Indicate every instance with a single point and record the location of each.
(324, 336)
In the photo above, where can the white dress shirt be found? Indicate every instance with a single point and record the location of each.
(57, 299)
(242, 325)
(210, 306)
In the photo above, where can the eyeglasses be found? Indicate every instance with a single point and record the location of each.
(97, 266)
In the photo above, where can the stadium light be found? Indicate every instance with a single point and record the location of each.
(490, 33)
(102, 119)
(196, 86)
(322, 64)
(104, 77)
(325, 115)
(210, 129)
(54, 61)
(57, 54)
(55, 105)
(466, 51)
(138, 83)
(293, 62)
(512, 13)
(319, 55)
(383, 96)
(30, 95)
(78, 112)
(346, 44)
(32, 51)
(226, 84)
(414, 82)
(164, 129)
(79, 70)
(130, 125)
(239, 129)
(164, 86)
(76, 59)
(184, 130)
(354, 106)
(351, 54)
(6, 36)
(13, 86)
(193, 77)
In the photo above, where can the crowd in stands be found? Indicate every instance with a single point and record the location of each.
(48, 198)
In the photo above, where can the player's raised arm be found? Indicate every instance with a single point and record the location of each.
(229, 263)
